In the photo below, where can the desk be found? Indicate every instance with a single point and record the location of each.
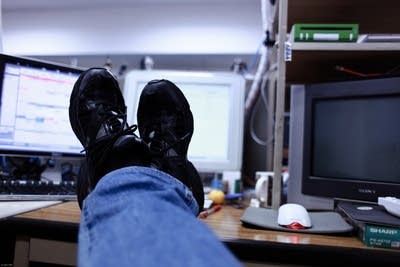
(60, 224)
(46, 235)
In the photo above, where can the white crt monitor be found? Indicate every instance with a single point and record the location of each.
(217, 103)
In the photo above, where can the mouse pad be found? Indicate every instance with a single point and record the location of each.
(326, 222)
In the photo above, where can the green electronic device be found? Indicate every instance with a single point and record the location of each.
(307, 32)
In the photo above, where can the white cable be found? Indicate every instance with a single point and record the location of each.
(262, 65)
(265, 8)
(271, 11)
(267, 78)
(271, 79)
(252, 130)
(255, 86)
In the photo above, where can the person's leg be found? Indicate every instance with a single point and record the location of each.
(133, 216)
(139, 216)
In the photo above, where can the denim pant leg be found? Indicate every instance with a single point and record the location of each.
(139, 216)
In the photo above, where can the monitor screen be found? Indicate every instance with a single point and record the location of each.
(356, 138)
(217, 103)
(350, 146)
(34, 108)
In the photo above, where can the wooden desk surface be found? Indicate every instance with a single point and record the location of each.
(225, 223)
(248, 242)
(65, 212)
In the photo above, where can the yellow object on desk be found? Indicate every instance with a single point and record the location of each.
(217, 196)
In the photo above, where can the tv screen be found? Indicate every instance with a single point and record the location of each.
(350, 145)
(34, 108)
(356, 138)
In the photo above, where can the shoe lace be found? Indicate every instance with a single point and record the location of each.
(159, 144)
(116, 126)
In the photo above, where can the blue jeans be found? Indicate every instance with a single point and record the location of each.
(138, 216)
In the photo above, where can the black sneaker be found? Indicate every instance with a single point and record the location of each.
(166, 124)
(97, 114)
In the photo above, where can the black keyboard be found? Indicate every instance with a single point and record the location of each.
(37, 190)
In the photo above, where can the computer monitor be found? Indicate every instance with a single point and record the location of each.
(34, 108)
(344, 142)
(217, 103)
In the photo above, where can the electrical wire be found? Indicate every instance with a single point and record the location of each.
(268, 11)
(255, 58)
(356, 73)
(264, 98)
(255, 86)
(267, 20)
(267, 14)
(252, 130)
(366, 75)
(271, 121)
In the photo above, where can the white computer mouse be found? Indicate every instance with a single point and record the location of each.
(294, 216)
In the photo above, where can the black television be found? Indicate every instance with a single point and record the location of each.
(344, 142)
(34, 108)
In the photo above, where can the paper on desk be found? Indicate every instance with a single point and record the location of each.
(10, 208)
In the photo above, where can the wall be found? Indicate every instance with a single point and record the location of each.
(139, 29)
(187, 35)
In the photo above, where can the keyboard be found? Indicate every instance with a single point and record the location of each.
(37, 190)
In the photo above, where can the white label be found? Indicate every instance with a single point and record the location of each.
(326, 36)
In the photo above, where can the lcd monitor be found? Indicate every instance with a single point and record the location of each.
(344, 142)
(34, 108)
(217, 103)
